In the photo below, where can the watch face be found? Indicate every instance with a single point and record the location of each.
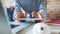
(41, 28)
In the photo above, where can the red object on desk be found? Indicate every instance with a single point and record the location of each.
(54, 22)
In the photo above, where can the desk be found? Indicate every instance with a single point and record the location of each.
(55, 25)
(54, 30)
(21, 26)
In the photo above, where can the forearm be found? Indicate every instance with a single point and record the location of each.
(17, 6)
(42, 10)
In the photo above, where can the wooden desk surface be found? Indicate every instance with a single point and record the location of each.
(29, 30)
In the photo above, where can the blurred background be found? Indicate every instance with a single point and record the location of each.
(53, 17)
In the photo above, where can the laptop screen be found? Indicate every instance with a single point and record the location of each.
(4, 27)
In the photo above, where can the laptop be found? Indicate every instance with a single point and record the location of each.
(10, 27)
(4, 26)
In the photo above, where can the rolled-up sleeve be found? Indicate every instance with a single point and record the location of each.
(42, 10)
(17, 7)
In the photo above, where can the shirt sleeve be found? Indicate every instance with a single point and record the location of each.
(17, 6)
(42, 10)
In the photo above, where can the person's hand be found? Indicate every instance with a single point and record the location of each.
(37, 15)
(21, 15)
(34, 14)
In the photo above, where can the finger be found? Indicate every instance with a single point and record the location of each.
(34, 14)
(20, 15)
(39, 15)
(25, 13)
